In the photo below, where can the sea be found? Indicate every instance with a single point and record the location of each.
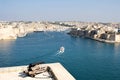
(85, 59)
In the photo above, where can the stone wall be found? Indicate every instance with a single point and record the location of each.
(117, 37)
(12, 30)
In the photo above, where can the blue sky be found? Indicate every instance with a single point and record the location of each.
(60, 10)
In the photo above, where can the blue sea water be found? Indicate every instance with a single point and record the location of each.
(85, 59)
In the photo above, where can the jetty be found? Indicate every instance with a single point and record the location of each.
(57, 72)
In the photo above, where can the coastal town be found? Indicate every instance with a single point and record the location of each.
(109, 33)
(59, 40)
(105, 32)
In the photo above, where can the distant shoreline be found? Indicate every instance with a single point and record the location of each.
(15, 29)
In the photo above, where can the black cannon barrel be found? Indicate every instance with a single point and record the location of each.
(33, 64)
(36, 63)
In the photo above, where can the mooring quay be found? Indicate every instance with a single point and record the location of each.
(56, 72)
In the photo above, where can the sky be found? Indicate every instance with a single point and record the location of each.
(60, 10)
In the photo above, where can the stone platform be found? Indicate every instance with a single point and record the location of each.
(16, 73)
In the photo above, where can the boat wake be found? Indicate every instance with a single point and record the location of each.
(60, 51)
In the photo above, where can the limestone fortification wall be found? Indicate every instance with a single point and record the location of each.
(101, 32)
(117, 38)
(12, 30)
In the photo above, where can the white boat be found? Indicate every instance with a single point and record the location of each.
(62, 49)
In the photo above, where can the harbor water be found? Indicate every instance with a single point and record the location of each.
(85, 59)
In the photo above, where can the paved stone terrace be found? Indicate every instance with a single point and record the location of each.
(15, 73)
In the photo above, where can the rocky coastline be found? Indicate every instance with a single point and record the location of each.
(13, 30)
(105, 32)
(102, 32)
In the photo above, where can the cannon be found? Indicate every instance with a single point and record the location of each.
(34, 69)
